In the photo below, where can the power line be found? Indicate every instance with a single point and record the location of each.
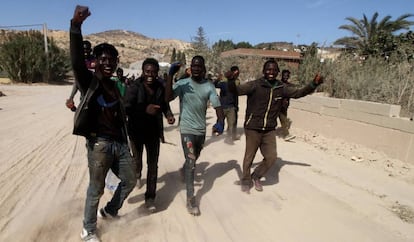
(19, 26)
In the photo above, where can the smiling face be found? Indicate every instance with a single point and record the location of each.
(270, 70)
(106, 64)
(149, 73)
(106, 59)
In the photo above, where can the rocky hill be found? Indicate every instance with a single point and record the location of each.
(133, 47)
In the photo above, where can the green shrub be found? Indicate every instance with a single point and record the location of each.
(23, 58)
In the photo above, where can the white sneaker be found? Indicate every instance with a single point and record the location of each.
(289, 137)
(89, 236)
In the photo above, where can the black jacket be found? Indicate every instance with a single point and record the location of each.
(86, 116)
(140, 123)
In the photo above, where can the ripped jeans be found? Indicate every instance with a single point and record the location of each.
(192, 146)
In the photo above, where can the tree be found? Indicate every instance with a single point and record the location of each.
(173, 56)
(371, 37)
(23, 58)
(223, 45)
(244, 44)
(199, 42)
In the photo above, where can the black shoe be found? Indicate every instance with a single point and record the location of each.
(102, 213)
(192, 207)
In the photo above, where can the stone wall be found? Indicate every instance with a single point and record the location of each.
(374, 125)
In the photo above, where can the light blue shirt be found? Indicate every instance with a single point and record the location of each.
(194, 98)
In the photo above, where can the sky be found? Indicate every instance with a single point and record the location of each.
(253, 21)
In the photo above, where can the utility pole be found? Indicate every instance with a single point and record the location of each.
(45, 38)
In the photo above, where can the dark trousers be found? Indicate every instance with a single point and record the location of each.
(266, 141)
(152, 147)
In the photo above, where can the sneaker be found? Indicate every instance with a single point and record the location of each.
(257, 185)
(102, 213)
(89, 236)
(192, 207)
(289, 137)
(150, 205)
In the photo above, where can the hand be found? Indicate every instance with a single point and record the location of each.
(70, 104)
(218, 128)
(318, 79)
(80, 14)
(174, 68)
(152, 109)
(171, 120)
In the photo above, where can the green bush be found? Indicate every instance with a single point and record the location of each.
(23, 58)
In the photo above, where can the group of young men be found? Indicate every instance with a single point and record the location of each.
(115, 124)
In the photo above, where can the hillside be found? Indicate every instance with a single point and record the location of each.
(132, 46)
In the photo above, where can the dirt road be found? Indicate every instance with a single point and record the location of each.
(319, 189)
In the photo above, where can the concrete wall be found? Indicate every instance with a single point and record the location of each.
(374, 125)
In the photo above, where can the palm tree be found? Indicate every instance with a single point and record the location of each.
(370, 36)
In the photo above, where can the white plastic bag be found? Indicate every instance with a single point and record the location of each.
(111, 181)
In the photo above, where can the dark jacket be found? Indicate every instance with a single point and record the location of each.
(140, 123)
(86, 116)
(228, 99)
(264, 101)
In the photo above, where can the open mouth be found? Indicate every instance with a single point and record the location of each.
(150, 80)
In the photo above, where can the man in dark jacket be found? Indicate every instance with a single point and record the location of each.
(230, 103)
(264, 102)
(145, 105)
(101, 119)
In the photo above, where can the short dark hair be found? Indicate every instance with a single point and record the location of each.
(105, 48)
(151, 61)
(200, 58)
(285, 71)
(87, 44)
(269, 61)
(234, 68)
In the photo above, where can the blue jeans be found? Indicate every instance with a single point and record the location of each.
(192, 146)
(105, 154)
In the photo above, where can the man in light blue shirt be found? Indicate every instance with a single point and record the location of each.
(194, 93)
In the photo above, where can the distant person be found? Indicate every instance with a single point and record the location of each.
(194, 93)
(101, 119)
(121, 81)
(285, 122)
(90, 64)
(145, 105)
(229, 102)
(264, 100)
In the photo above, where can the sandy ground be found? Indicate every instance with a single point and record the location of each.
(319, 189)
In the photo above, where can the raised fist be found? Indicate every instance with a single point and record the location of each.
(80, 14)
(174, 68)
